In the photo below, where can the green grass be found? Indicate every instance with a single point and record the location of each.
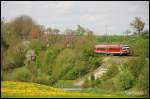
(109, 92)
(65, 84)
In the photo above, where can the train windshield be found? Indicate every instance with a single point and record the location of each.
(125, 48)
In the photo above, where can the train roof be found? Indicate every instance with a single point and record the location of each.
(111, 45)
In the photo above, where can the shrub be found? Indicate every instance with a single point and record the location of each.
(52, 80)
(92, 82)
(42, 79)
(21, 74)
(108, 84)
(64, 62)
(136, 65)
(33, 71)
(6, 75)
(37, 45)
(92, 77)
(140, 46)
(112, 71)
(19, 59)
(72, 74)
(95, 62)
(143, 79)
(124, 80)
(143, 83)
(46, 59)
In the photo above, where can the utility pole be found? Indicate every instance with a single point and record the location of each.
(107, 39)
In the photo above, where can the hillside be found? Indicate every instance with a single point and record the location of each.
(36, 55)
(103, 68)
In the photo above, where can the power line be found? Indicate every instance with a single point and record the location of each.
(106, 33)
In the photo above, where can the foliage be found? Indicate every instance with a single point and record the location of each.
(37, 45)
(139, 46)
(143, 82)
(112, 71)
(136, 65)
(23, 25)
(54, 61)
(35, 32)
(19, 59)
(42, 79)
(65, 84)
(138, 24)
(80, 30)
(124, 80)
(21, 74)
(91, 82)
(52, 80)
(64, 62)
(107, 84)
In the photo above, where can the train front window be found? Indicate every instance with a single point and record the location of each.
(125, 48)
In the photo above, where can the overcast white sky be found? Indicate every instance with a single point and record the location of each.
(95, 15)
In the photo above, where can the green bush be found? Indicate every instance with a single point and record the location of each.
(107, 84)
(48, 58)
(92, 82)
(52, 80)
(136, 65)
(42, 79)
(19, 59)
(64, 62)
(7, 75)
(13, 59)
(112, 71)
(142, 82)
(72, 74)
(86, 83)
(94, 62)
(21, 74)
(139, 46)
(124, 80)
(37, 45)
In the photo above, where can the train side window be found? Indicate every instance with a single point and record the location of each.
(112, 48)
(100, 48)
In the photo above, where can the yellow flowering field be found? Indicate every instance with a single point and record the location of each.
(28, 89)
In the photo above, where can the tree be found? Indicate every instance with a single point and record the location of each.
(35, 31)
(138, 24)
(2, 24)
(88, 32)
(146, 33)
(23, 25)
(80, 30)
(49, 30)
(3, 42)
(69, 37)
(68, 31)
(56, 31)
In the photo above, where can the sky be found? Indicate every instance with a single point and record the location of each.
(113, 17)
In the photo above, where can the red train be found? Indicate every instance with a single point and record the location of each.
(113, 49)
